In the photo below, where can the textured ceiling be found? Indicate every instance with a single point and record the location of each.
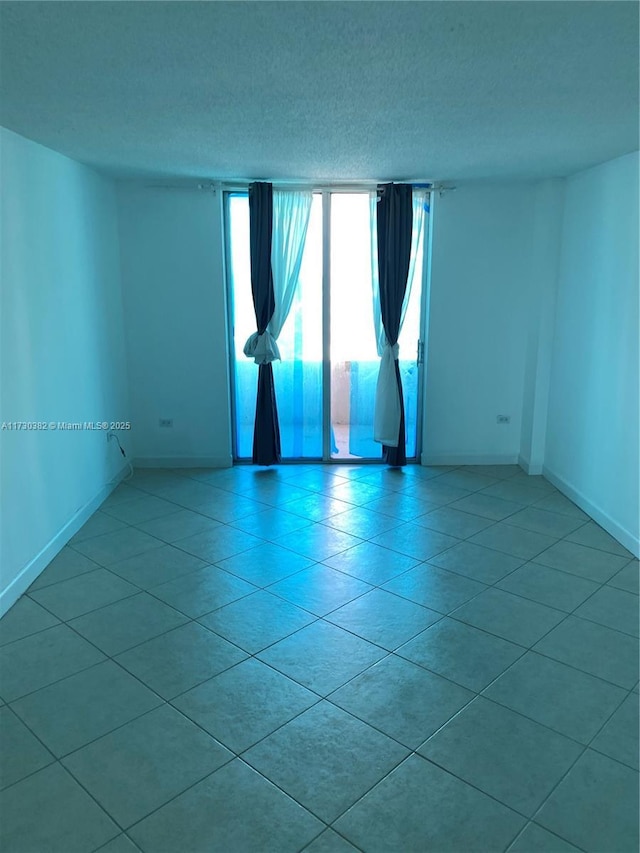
(324, 90)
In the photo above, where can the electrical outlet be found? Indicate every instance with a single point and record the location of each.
(503, 419)
(166, 423)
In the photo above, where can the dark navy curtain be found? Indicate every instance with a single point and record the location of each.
(395, 222)
(266, 432)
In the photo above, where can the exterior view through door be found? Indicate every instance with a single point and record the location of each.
(332, 340)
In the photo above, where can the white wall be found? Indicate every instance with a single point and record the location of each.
(175, 317)
(592, 434)
(477, 337)
(62, 352)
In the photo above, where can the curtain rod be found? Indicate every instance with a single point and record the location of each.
(321, 186)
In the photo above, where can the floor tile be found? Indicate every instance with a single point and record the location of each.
(474, 561)
(330, 842)
(415, 541)
(317, 542)
(120, 844)
(536, 481)
(121, 494)
(470, 481)
(503, 754)
(72, 712)
(265, 564)
(564, 699)
(116, 546)
(225, 507)
(178, 525)
(559, 503)
(535, 839)
(26, 617)
(354, 492)
(213, 816)
(67, 564)
(322, 657)
(514, 490)
(362, 522)
(275, 492)
(141, 510)
(402, 700)
(83, 594)
(579, 560)
(246, 703)
(257, 621)
(271, 523)
(497, 472)
(156, 567)
(513, 540)
(180, 659)
(21, 753)
(325, 759)
(592, 535)
(219, 544)
(145, 763)
(548, 586)
(67, 817)
(542, 521)
(392, 816)
(619, 738)
(187, 492)
(435, 588)
(120, 626)
(453, 522)
(461, 653)
(627, 578)
(383, 618)
(371, 563)
(494, 509)
(595, 649)
(319, 589)
(202, 591)
(435, 492)
(312, 478)
(596, 806)
(400, 505)
(318, 507)
(99, 524)
(508, 616)
(614, 608)
(33, 662)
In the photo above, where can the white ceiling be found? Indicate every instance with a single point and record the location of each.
(324, 90)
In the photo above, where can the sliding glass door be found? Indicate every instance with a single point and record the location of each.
(326, 381)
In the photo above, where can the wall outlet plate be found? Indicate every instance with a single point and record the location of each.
(503, 419)
(166, 423)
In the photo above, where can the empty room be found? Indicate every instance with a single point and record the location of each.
(319, 407)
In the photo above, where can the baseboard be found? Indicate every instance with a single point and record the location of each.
(183, 462)
(23, 581)
(468, 459)
(528, 468)
(620, 533)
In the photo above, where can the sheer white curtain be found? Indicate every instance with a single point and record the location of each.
(386, 419)
(291, 212)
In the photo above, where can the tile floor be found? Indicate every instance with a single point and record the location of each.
(325, 659)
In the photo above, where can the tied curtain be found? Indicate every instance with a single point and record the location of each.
(397, 226)
(278, 223)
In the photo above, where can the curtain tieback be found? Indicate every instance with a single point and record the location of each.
(386, 418)
(262, 348)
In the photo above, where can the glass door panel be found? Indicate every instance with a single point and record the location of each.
(298, 376)
(353, 353)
